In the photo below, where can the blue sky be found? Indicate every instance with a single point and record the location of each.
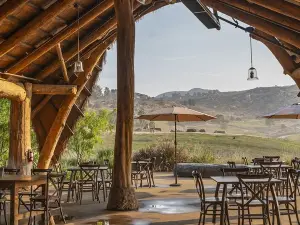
(175, 52)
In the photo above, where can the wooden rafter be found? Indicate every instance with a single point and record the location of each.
(265, 13)
(85, 19)
(281, 54)
(47, 89)
(62, 63)
(40, 105)
(265, 26)
(85, 42)
(57, 127)
(10, 6)
(280, 6)
(41, 20)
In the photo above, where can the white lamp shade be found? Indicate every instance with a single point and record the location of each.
(252, 74)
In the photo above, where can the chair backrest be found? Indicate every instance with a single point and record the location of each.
(231, 164)
(11, 171)
(89, 172)
(295, 163)
(234, 171)
(292, 184)
(45, 172)
(274, 168)
(199, 184)
(245, 160)
(256, 161)
(57, 181)
(256, 186)
(271, 158)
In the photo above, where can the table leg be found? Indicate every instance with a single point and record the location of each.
(45, 216)
(70, 186)
(224, 195)
(14, 205)
(277, 211)
(104, 184)
(215, 207)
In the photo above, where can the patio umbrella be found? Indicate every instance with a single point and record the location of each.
(176, 114)
(289, 112)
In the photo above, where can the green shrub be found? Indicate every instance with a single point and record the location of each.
(105, 154)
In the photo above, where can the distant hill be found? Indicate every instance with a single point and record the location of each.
(249, 103)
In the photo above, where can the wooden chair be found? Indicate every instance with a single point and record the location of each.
(245, 160)
(51, 201)
(88, 181)
(256, 196)
(208, 202)
(139, 173)
(3, 201)
(289, 199)
(231, 164)
(257, 161)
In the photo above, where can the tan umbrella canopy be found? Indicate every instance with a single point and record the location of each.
(289, 112)
(176, 114)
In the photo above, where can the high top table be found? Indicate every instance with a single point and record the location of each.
(14, 183)
(225, 180)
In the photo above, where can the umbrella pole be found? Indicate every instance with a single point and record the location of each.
(175, 156)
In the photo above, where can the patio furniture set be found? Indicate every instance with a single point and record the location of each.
(143, 170)
(265, 190)
(41, 192)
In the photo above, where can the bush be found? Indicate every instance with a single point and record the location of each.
(202, 130)
(107, 154)
(219, 132)
(163, 151)
(191, 130)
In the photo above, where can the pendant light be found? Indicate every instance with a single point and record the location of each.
(252, 73)
(78, 66)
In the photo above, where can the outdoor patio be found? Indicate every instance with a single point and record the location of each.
(161, 205)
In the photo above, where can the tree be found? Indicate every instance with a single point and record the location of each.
(87, 133)
(106, 91)
(4, 130)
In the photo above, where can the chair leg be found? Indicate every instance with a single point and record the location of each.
(273, 214)
(4, 209)
(296, 212)
(227, 214)
(200, 218)
(239, 216)
(61, 212)
(289, 214)
(243, 216)
(249, 216)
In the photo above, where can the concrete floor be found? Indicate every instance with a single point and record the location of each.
(161, 205)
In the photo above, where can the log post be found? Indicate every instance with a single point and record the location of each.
(122, 195)
(20, 131)
(12, 91)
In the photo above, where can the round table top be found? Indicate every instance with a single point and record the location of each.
(91, 167)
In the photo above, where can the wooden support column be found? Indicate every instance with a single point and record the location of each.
(20, 131)
(59, 123)
(122, 194)
(12, 91)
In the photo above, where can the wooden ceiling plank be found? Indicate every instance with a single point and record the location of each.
(265, 26)
(42, 19)
(10, 6)
(62, 63)
(280, 6)
(265, 13)
(85, 19)
(47, 89)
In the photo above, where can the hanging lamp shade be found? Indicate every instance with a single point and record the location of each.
(252, 74)
(78, 67)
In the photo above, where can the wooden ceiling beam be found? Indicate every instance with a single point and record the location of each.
(47, 89)
(265, 13)
(85, 42)
(265, 26)
(62, 63)
(280, 54)
(41, 20)
(280, 6)
(10, 6)
(12, 91)
(58, 125)
(65, 33)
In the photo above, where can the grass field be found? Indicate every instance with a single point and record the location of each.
(222, 147)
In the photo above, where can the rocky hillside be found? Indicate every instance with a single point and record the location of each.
(248, 103)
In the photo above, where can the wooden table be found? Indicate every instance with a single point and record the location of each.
(14, 183)
(225, 180)
(74, 171)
